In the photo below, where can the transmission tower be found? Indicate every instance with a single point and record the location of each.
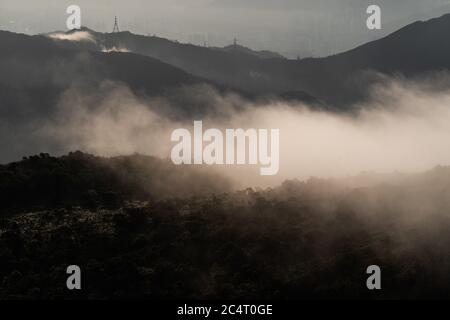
(116, 25)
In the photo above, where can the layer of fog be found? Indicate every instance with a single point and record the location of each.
(115, 49)
(404, 128)
(75, 36)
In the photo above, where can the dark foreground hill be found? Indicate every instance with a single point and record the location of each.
(311, 239)
(42, 181)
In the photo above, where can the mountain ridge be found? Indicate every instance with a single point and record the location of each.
(340, 80)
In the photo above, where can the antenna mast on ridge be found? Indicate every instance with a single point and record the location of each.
(116, 25)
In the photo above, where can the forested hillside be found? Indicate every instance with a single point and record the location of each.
(135, 243)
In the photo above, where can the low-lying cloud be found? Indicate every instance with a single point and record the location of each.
(404, 128)
(115, 49)
(74, 36)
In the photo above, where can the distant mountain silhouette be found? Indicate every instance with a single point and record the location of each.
(234, 68)
(38, 53)
(413, 51)
(338, 80)
(262, 54)
(345, 78)
(34, 71)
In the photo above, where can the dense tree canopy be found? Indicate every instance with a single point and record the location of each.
(310, 239)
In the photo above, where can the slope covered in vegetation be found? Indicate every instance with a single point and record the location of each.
(311, 239)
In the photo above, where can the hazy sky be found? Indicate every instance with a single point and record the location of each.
(291, 27)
